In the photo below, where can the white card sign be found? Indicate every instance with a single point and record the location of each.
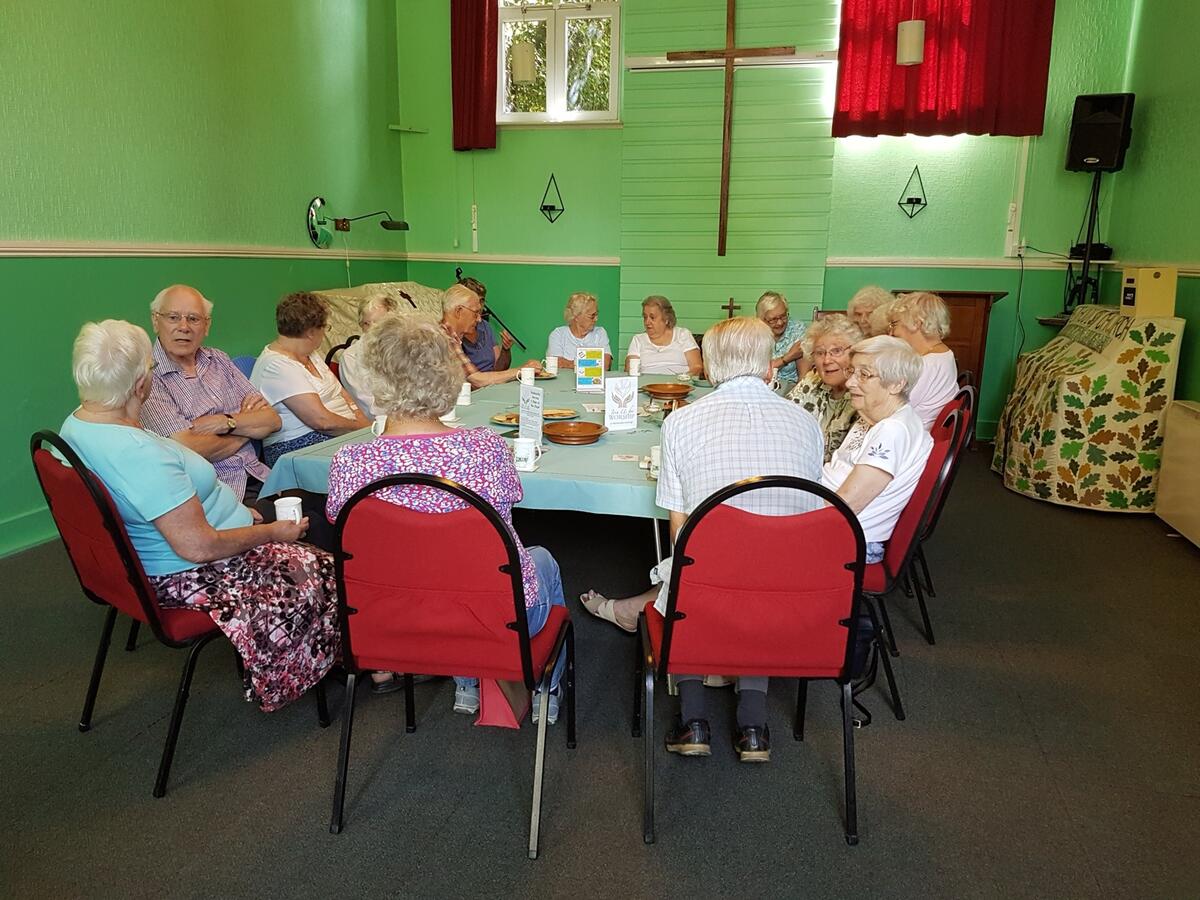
(589, 370)
(620, 403)
(530, 413)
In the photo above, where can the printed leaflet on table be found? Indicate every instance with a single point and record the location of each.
(620, 403)
(589, 370)
(530, 414)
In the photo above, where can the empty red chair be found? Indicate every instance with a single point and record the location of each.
(455, 605)
(732, 610)
(111, 575)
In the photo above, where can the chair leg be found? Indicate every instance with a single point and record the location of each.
(89, 702)
(181, 697)
(339, 785)
(906, 584)
(924, 610)
(801, 708)
(897, 705)
(322, 704)
(539, 765)
(648, 812)
(635, 728)
(925, 570)
(848, 754)
(131, 641)
(892, 649)
(570, 673)
(410, 705)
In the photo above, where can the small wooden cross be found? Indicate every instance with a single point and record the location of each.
(731, 306)
(729, 53)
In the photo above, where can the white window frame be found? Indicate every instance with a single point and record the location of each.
(557, 17)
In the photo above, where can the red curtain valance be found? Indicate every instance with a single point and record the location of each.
(473, 37)
(985, 69)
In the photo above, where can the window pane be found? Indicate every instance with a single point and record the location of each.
(525, 52)
(588, 44)
(526, 2)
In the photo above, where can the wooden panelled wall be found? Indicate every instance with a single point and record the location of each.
(781, 175)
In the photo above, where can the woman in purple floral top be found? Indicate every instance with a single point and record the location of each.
(417, 378)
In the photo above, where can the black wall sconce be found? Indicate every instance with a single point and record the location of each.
(552, 207)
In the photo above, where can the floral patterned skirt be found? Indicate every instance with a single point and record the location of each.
(277, 604)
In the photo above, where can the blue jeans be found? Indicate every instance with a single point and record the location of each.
(550, 593)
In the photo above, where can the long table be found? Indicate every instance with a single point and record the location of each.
(586, 478)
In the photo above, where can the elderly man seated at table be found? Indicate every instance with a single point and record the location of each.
(417, 380)
(742, 429)
(922, 320)
(199, 398)
(822, 390)
(351, 371)
(787, 356)
(479, 343)
(878, 465)
(864, 302)
(581, 330)
(462, 310)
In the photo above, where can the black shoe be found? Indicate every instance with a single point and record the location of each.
(396, 683)
(690, 739)
(753, 744)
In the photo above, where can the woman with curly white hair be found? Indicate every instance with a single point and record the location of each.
(200, 547)
(878, 465)
(822, 390)
(416, 376)
(581, 330)
(921, 320)
(864, 302)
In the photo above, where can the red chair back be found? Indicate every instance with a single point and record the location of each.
(943, 429)
(919, 510)
(963, 401)
(436, 593)
(98, 545)
(734, 608)
(334, 351)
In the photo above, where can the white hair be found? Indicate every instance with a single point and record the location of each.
(923, 312)
(768, 301)
(895, 362)
(869, 297)
(740, 346)
(577, 303)
(108, 359)
(411, 367)
(457, 295)
(160, 299)
(375, 301)
(836, 324)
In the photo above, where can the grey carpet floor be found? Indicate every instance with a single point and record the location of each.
(1050, 750)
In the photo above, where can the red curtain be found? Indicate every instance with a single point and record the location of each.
(473, 37)
(985, 68)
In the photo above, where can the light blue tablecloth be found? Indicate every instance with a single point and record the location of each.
(585, 478)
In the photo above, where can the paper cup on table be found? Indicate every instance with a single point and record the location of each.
(655, 460)
(527, 375)
(526, 453)
(550, 364)
(379, 425)
(464, 394)
(288, 509)
(450, 418)
(635, 366)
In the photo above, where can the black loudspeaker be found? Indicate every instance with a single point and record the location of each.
(1100, 131)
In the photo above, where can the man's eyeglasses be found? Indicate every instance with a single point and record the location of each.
(175, 318)
(832, 351)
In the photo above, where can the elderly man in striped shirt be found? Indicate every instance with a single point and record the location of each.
(462, 309)
(200, 399)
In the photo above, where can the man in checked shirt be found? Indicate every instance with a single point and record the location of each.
(200, 399)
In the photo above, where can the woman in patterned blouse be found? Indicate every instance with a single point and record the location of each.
(416, 378)
(822, 390)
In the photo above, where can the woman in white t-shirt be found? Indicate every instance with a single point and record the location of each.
(878, 465)
(664, 348)
(293, 378)
(921, 320)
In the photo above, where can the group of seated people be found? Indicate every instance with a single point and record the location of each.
(169, 429)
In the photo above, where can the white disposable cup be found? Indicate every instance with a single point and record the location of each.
(449, 418)
(635, 366)
(288, 508)
(655, 460)
(526, 453)
(464, 394)
(527, 375)
(378, 426)
(550, 364)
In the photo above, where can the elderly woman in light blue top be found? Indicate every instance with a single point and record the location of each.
(787, 356)
(581, 330)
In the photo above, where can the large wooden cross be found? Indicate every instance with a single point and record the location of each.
(729, 53)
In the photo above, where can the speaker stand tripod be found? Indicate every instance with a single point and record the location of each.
(1085, 285)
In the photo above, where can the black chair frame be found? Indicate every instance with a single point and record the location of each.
(337, 348)
(520, 624)
(647, 668)
(116, 530)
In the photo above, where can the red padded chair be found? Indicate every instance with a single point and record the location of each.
(111, 575)
(882, 577)
(335, 350)
(732, 610)
(448, 610)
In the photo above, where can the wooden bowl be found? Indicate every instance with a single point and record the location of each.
(668, 391)
(573, 433)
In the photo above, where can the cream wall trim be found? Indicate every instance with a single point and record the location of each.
(515, 260)
(96, 249)
(990, 262)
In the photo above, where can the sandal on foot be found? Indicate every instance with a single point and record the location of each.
(602, 608)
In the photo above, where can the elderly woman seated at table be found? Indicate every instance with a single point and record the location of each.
(664, 348)
(293, 378)
(787, 356)
(822, 390)
(921, 320)
(201, 549)
(878, 465)
(351, 371)
(417, 378)
(864, 302)
(581, 330)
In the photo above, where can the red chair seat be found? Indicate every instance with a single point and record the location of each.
(875, 578)
(182, 625)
